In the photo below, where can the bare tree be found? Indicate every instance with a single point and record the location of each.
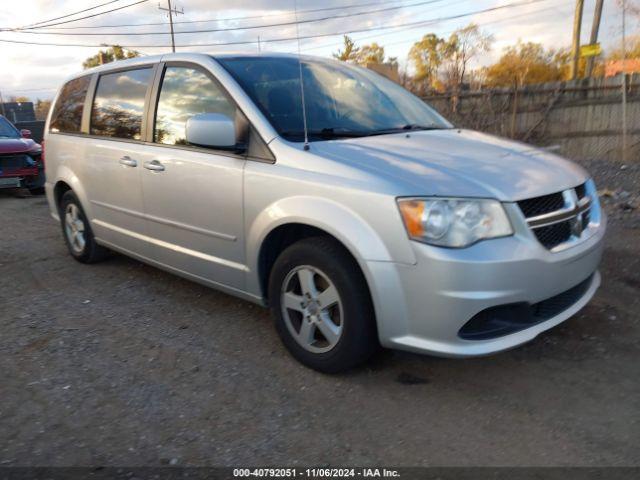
(463, 46)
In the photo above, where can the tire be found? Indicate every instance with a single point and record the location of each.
(328, 330)
(73, 221)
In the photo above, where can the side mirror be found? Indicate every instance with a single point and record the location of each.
(212, 130)
(24, 133)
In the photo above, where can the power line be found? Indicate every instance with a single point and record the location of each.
(17, 30)
(225, 19)
(30, 89)
(376, 35)
(288, 39)
(71, 14)
(480, 24)
(233, 29)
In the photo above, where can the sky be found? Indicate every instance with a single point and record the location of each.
(37, 71)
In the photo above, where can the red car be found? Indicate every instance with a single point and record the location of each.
(21, 160)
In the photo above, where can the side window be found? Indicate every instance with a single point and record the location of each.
(118, 105)
(67, 114)
(186, 92)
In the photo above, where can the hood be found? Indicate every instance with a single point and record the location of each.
(457, 163)
(16, 145)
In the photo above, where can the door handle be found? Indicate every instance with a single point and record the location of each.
(128, 161)
(154, 165)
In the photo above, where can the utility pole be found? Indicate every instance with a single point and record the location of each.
(595, 28)
(577, 25)
(624, 81)
(172, 11)
(4, 114)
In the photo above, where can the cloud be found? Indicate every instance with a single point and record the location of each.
(24, 67)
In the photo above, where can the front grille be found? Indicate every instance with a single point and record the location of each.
(503, 320)
(12, 162)
(586, 219)
(553, 235)
(541, 205)
(558, 218)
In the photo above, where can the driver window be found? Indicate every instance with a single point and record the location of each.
(186, 92)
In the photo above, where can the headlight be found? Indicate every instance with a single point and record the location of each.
(453, 222)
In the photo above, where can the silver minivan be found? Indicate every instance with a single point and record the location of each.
(352, 209)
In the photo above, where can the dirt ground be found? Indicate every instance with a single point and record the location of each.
(122, 364)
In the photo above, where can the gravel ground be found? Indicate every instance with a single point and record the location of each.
(122, 364)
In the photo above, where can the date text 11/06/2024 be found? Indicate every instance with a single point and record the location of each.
(316, 472)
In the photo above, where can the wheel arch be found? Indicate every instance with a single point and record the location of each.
(61, 187)
(293, 219)
(66, 180)
(278, 240)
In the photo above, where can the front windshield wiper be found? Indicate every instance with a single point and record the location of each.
(405, 128)
(330, 132)
(326, 133)
(415, 126)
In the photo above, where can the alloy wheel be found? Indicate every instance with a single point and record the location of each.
(74, 228)
(312, 309)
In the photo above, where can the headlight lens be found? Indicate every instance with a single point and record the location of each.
(453, 222)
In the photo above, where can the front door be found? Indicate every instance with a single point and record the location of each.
(193, 196)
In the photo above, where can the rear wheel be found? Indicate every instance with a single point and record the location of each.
(321, 305)
(77, 232)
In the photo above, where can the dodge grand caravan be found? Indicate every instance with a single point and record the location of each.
(361, 217)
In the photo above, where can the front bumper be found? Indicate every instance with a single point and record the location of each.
(17, 169)
(422, 307)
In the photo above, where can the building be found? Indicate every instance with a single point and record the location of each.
(18, 111)
(613, 68)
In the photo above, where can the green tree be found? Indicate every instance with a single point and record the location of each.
(111, 54)
(373, 53)
(427, 57)
(42, 109)
(524, 63)
(633, 49)
(349, 53)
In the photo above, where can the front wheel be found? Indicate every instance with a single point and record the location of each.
(321, 305)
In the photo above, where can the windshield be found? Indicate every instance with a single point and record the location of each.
(340, 100)
(7, 130)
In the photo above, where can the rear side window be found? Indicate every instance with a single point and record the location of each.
(186, 92)
(118, 105)
(67, 114)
